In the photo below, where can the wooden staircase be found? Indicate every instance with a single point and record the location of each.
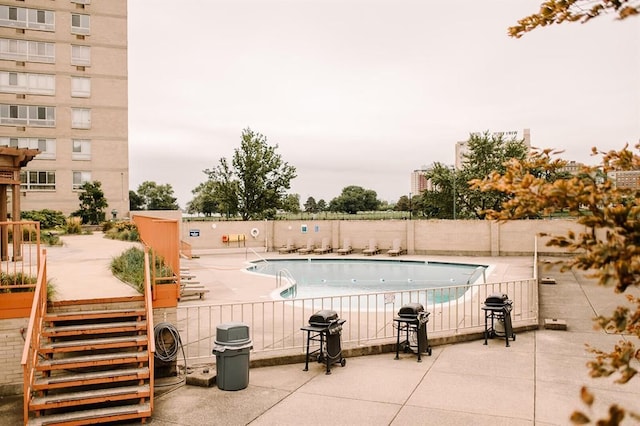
(94, 364)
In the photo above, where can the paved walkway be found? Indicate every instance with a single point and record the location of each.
(535, 381)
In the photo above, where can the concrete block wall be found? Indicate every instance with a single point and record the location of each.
(427, 237)
(11, 334)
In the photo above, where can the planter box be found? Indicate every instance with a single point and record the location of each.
(166, 296)
(16, 305)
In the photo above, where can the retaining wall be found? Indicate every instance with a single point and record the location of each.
(428, 237)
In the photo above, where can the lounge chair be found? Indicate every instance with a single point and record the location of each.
(346, 247)
(192, 288)
(325, 247)
(396, 248)
(308, 249)
(372, 248)
(290, 247)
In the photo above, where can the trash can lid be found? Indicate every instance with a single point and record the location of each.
(234, 349)
(232, 333)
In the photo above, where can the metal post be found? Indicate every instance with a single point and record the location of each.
(453, 171)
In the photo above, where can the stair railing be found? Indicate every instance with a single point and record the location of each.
(151, 343)
(32, 336)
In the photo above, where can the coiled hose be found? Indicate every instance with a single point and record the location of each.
(168, 342)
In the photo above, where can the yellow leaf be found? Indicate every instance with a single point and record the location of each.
(586, 396)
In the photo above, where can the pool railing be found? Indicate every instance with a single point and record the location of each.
(275, 324)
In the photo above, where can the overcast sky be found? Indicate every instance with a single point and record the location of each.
(362, 92)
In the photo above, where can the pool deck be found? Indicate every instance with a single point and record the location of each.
(535, 381)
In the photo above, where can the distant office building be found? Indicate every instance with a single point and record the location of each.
(419, 181)
(572, 167)
(462, 147)
(63, 90)
(627, 179)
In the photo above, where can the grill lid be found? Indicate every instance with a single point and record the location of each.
(323, 318)
(410, 310)
(497, 299)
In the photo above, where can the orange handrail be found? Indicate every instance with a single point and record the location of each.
(151, 343)
(32, 338)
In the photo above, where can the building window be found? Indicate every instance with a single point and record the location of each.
(27, 115)
(33, 19)
(81, 1)
(80, 118)
(81, 149)
(34, 180)
(80, 178)
(80, 87)
(27, 50)
(33, 84)
(80, 55)
(47, 146)
(80, 24)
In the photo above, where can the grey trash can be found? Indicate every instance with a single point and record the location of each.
(232, 346)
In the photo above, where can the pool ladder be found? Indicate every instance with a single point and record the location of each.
(286, 275)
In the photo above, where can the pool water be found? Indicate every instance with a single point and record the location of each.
(335, 277)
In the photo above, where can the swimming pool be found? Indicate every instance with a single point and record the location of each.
(335, 277)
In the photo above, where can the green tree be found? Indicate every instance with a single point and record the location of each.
(487, 153)
(157, 197)
(135, 201)
(291, 203)
(322, 205)
(354, 199)
(439, 202)
(404, 204)
(560, 11)
(92, 203)
(310, 206)
(384, 206)
(256, 181)
(205, 199)
(609, 246)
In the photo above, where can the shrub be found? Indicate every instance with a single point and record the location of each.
(48, 219)
(74, 225)
(129, 267)
(50, 239)
(124, 231)
(18, 278)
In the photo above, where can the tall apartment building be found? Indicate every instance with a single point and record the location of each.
(63, 90)
(419, 181)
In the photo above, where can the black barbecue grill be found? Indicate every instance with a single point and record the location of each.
(412, 321)
(326, 328)
(497, 307)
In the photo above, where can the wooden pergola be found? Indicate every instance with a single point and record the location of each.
(12, 160)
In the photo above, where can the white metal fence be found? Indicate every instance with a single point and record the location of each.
(275, 324)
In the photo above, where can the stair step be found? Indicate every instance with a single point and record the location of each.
(70, 399)
(90, 378)
(112, 414)
(92, 360)
(94, 344)
(98, 314)
(115, 327)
